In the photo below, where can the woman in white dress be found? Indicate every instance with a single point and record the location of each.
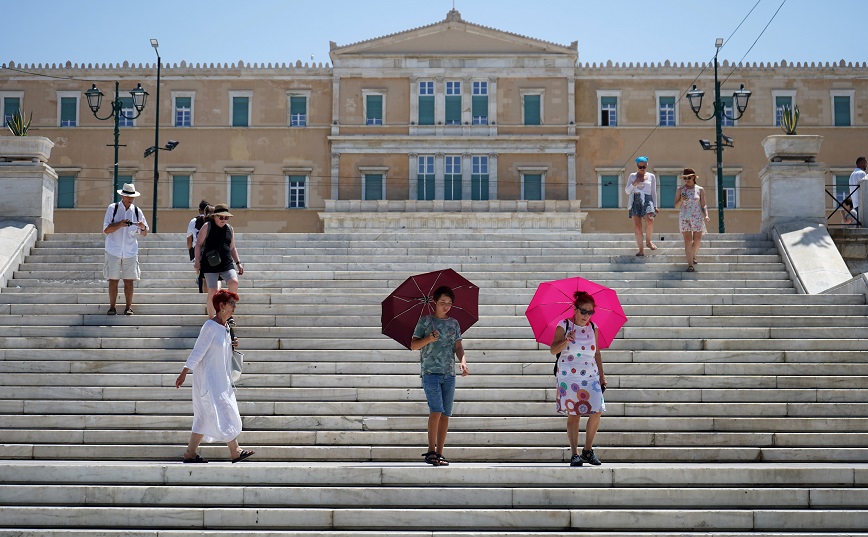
(642, 191)
(215, 410)
(580, 378)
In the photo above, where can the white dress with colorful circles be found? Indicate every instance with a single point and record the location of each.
(579, 391)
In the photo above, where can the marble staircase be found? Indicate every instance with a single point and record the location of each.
(735, 405)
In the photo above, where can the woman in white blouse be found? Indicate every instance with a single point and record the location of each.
(642, 191)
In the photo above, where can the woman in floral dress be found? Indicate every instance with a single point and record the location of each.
(580, 378)
(690, 199)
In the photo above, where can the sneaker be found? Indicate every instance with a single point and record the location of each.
(112, 311)
(128, 311)
(589, 457)
(576, 461)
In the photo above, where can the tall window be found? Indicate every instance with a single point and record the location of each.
(373, 186)
(608, 111)
(842, 187)
(730, 200)
(238, 191)
(240, 111)
(453, 102)
(183, 111)
(297, 111)
(296, 191)
(180, 191)
(119, 185)
(841, 110)
(68, 111)
(666, 111)
(668, 186)
(781, 102)
(531, 186)
(426, 102)
(479, 104)
(65, 191)
(725, 120)
(532, 109)
(425, 178)
(10, 106)
(610, 192)
(479, 178)
(373, 109)
(127, 111)
(452, 178)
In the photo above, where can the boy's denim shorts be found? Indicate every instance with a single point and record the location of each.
(440, 392)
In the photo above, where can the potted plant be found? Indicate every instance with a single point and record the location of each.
(20, 146)
(792, 146)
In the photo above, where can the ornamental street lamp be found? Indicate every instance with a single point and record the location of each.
(740, 99)
(94, 101)
(154, 149)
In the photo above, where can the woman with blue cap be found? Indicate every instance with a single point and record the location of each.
(642, 190)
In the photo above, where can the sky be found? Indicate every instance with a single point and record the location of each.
(284, 31)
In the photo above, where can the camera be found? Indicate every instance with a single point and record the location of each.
(129, 223)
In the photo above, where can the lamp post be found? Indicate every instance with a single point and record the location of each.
(94, 101)
(156, 45)
(740, 99)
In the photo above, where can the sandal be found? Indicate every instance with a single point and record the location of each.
(112, 311)
(691, 269)
(431, 458)
(128, 311)
(197, 460)
(245, 453)
(442, 460)
(651, 245)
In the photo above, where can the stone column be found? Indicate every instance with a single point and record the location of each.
(466, 174)
(862, 194)
(439, 171)
(336, 176)
(492, 176)
(414, 176)
(571, 176)
(28, 185)
(793, 192)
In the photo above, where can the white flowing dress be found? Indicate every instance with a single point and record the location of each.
(215, 410)
(579, 389)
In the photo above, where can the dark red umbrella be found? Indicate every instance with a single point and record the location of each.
(553, 302)
(414, 298)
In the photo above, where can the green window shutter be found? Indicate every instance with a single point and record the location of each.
(842, 187)
(668, 186)
(298, 105)
(479, 186)
(238, 191)
(609, 191)
(780, 103)
(426, 110)
(180, 191)
(65, 191)
(453, 109)
(452, 187)
(183, 102)
(479, 106)
(842, 111)
(728, 181)
(119, 185)
(239, 111)
(10, 106)
(373, 186)
(532, 110)
(374, 110)
(68, 111)
(425, 186)
(533, 186)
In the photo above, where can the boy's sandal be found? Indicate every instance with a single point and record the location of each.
(691, 269)
(431, 458)
(442, 460)
(197, 460)
(245, 453)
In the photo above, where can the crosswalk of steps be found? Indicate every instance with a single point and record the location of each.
(735, 404)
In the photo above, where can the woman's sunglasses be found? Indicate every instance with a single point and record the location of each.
(222, 218)
(584, 311)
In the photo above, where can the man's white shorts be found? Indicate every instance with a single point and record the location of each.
(117, 268)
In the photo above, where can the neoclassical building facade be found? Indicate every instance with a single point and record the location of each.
(452, 124)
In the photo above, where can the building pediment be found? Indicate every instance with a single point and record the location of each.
(451, 37)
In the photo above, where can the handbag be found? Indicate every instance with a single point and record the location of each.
(213, 258)
(236, 366)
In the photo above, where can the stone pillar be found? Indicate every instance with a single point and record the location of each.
(335, 175)
(27, 183)
(29, 191)
(414, 176)
(571, 176)
(793, 192)
(862, 194)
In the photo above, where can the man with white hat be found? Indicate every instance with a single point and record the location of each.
(122, 225)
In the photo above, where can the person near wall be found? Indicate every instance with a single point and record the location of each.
(215, 410)
(438, 337)
(217, 257)
(122, 225)
(193, 228)
(857, 175)
(848, 214)
(693, 214)
(580, 378)
(642, 192)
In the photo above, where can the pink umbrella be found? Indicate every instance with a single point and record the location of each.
(553, 302)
